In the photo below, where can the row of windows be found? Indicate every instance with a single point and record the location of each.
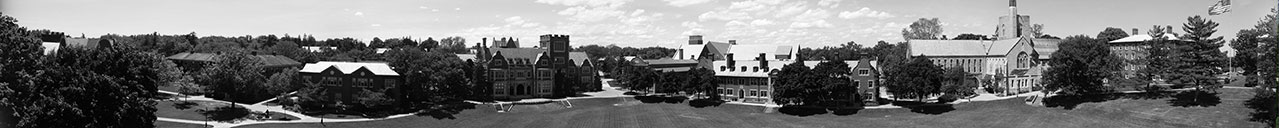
(969, 65)
(512, 74)
(743, 81)
(743, 69)
(750, 93)
(358, 82)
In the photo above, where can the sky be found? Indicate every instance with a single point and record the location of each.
(636, 23)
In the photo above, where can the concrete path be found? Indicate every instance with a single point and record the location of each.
(258, 107)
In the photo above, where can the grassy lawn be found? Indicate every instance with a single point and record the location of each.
(1005, 113)
(166, 124)
(1229, 113)
(172, 109)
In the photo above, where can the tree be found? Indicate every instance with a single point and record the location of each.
(377, 43)
(956, 82)
(1080, 67)
(1111, 34)
(924, 29)
(429, 43)
(791, 84)
(1037, 30)
(1198, 61)
(835, 76)
(1046, 36)
(373, 99)
(1246, 53)
(430, 78)
(282, 82)
(454, 44)
(233, 77)
(918, 79)
(106, 87)
(289, 49)
(970, 36)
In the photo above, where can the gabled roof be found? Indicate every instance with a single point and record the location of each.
(962, 47)
(1046, 47)
(578, 58)
(465, 57)
(349, 67)
(749, 52)
(1142, 38)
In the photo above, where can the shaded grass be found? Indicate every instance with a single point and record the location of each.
(602, 113)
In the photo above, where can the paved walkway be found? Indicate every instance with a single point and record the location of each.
(258, 107)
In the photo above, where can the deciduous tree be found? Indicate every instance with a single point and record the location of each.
(1080, 67)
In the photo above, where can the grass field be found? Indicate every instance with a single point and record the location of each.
(1003, 113)
(170, 109)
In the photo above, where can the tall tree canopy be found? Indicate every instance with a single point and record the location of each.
(917, 79)
(1080, 67)
(1111, 34)
(970, 36)
(924, 29)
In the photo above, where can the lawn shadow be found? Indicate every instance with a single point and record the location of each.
(1265, 108)
(798, 110)
(225, 113)
(183, 105)
(845, 111)
(925, 108)
(1071, 101)
(661, 99)
(701, 103)
(1195, 98)
(446, 111)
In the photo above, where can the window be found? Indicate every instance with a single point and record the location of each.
(743, 68)
(391, 82)
(857, 83)
(1023, 60)
(763, 93)
(863, 72)
(752, 93)
(499, 88)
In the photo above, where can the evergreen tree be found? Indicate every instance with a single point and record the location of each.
(1198, 61)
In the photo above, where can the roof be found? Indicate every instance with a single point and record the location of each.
(578, 58)
(689, 51)
(465, 57)
(318, 48)
(749, 52)
(664, 61)
(1142, 38)
(50, 47)
(1046, 47)
(962, 47)
(381, 50)
(267, 60)
(518, 53)
(350, 67)
(674, 69)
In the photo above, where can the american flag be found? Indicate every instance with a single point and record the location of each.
(1221, 7)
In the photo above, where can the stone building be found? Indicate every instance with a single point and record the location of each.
(752, 81)
(1013, 62)
(548, 70)
(1132, 48)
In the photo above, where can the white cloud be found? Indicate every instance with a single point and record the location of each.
(682, 3)
(829, 3)
(725, 15)
(421, 7)
(864, 12)
(590, 10)
(592, 3)
(690, 24)
(736, 24)
(813, 14)
(811, 24)
(520, 22)
(761, 22)
(359, 13)
(435, 10)
(375, 25)
(457, 8)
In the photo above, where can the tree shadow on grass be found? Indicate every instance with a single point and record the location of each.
(701, 103)
(845, 111)
(183, 105)
(446, 111)
(661, 99)
(1264, 106)
(925, 108)
(1071, 101)
(226, 113)
(798, 110)
(1195, 98)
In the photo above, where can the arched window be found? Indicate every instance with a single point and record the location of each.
(1023, 60)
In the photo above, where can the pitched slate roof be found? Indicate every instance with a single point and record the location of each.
(1046, 47)
(578, 58)
(749, 52)
(961, 47)
(465, 57)
(50, 47)
(349, 67)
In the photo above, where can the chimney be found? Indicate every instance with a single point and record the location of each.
(695, 39)
(732, 42)
(730, 60)
(763, 61)
(681, 54)
(1134, 31)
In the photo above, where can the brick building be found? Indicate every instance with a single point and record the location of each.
(345, 80)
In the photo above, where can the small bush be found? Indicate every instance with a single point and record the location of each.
(947, 98)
